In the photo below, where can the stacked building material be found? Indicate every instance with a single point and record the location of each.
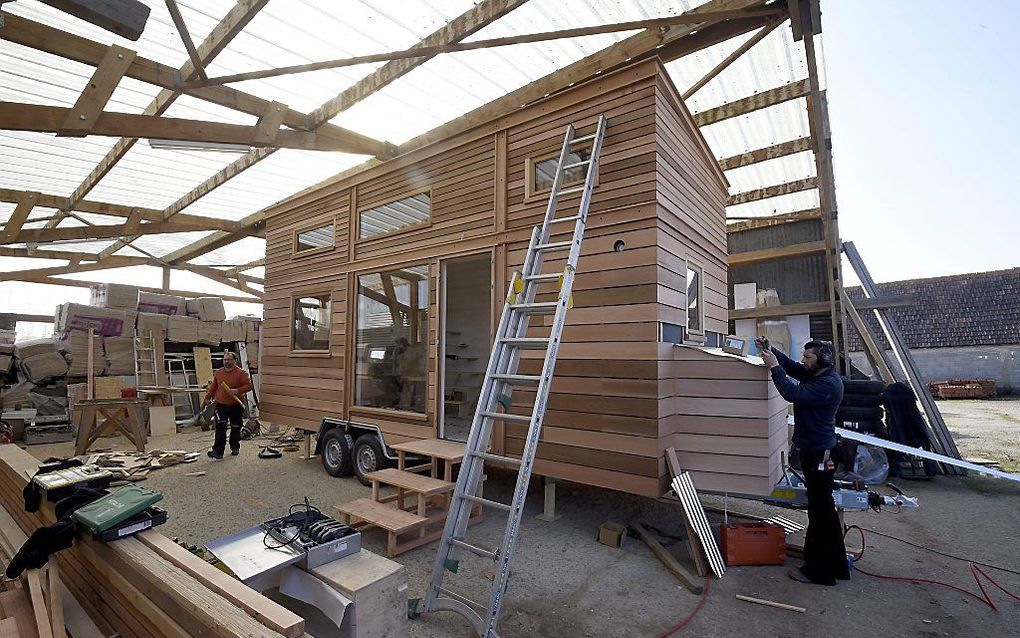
(119, 355)
(107, 322)
(149, 322)
(234, 330)
(39, 361)
(145, 586)
(161, 304)
(74, 345)
(206, 309)
(210, 332)
(119, 296)
(182, 329)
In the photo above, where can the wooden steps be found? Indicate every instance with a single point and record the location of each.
(411, 481)
(365, 512)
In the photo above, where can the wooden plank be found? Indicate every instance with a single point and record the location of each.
(696, 549)
(771, 312)
(189, 45)
(9, 628)
(48, 119)
(39, 610)
(770, 603)
(77, 283)
(750, 223)
(268, 126)
(775, 190)
(93, 98)
(739, 51)
(26, 202)
(55, 594)
(667, 559)
(15, 604)
(876, 354)
(107, 231)
(126, 18)
(269, 613)
(799, 145)
(776, 254)
(753, 103)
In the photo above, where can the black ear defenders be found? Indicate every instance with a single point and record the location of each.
(826, 352)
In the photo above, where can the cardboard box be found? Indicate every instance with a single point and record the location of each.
(612, 534)
(107, 322)
(206, 309)
(42, 367)
(149, 321)
(7, 337)
(182, 329)
(161, 304)
(119, 296)
(234, 330)
(210, 332)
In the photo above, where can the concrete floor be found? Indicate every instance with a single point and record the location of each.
(566, 584)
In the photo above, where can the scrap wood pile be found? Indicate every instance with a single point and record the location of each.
(962, 389)
(145, 586)
(135, 466)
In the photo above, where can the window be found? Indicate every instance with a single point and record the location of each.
(392, 331)
(542, 172)
(695, 303)
(321, 237)
(311, 323)
(387, 218)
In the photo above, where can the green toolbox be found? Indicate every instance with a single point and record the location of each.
(115, 507)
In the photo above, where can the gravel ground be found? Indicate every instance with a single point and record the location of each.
(566, 584)
(988, 428)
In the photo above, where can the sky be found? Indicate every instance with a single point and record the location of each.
(922, 95)
(923, 101)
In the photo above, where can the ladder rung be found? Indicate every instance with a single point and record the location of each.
(551, 276)
(518, 378)
(487, 503)
(555, 245)
(519, 418)
(467, 601)
(576, 164)
(572, 218)
(496, 458)
(571, 191)
(479, 551)
(578, 140)
(528, 343)
(536, 308)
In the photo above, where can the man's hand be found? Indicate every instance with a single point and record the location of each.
(232, 391)
(770, 359)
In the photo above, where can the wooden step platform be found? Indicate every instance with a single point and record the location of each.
(410, 481)
(365, 512)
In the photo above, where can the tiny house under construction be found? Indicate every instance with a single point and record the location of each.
(383, 288)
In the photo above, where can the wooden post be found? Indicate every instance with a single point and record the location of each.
(90, 385)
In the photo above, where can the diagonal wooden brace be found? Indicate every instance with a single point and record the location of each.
(97, 92)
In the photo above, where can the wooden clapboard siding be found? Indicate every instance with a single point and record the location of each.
(619, 395)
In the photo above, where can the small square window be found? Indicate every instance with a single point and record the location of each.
(311, 317)
(321, 237)
(541, 173)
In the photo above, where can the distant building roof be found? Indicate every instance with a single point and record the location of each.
(976, 309)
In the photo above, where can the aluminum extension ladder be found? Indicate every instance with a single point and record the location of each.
(500, 377)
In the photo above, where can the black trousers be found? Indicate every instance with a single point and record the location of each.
(232, 414)
(824, 550)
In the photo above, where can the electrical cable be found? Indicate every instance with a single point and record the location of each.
(683, 623)
(940, 553)
(305, 519)
(975, 571)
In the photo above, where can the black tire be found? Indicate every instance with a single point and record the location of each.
(862, 400)
(863, 386)
(338, 453)
(368, 456)
(854, 413)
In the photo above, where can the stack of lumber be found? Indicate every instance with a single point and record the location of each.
(135, 466)
(146, 586)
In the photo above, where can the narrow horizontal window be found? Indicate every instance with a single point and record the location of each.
(409, 211)
(321, 237)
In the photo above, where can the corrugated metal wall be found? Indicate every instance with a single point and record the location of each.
(798, 280)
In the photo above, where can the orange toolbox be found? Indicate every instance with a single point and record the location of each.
(753, 544)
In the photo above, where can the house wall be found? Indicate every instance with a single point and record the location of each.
(1001, 363)
(660, 200)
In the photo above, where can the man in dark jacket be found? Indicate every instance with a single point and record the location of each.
(816, 390)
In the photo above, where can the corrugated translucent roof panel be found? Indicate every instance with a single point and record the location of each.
(240, 252)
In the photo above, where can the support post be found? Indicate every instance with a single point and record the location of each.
(549, 502)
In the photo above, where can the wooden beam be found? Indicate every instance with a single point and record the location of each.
(47, 119)
(189, 45)
(243, 267)
(773, 191)
(728, 60)
(104, 232)
(17, 275)
(750, 223)
(706, 37)
(126, 18)
(29, 318)
(775, 151)
(775, 254)
(268, 126)
(753, 103)
(57, 42)
(63, 204)
(459, 28)
(652, 23)
(222, 34)
(219, 277)
(97, 92)
(668, 560)
(117, 260)
(26, 202)
(77, 283)
(772, 312)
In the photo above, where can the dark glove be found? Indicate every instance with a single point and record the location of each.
(43, 542)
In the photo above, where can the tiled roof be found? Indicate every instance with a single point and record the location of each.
(976, 309)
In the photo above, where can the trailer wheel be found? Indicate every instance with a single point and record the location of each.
(368, 456)
(338, 452)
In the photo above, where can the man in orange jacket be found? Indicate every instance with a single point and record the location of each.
(228, 387)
